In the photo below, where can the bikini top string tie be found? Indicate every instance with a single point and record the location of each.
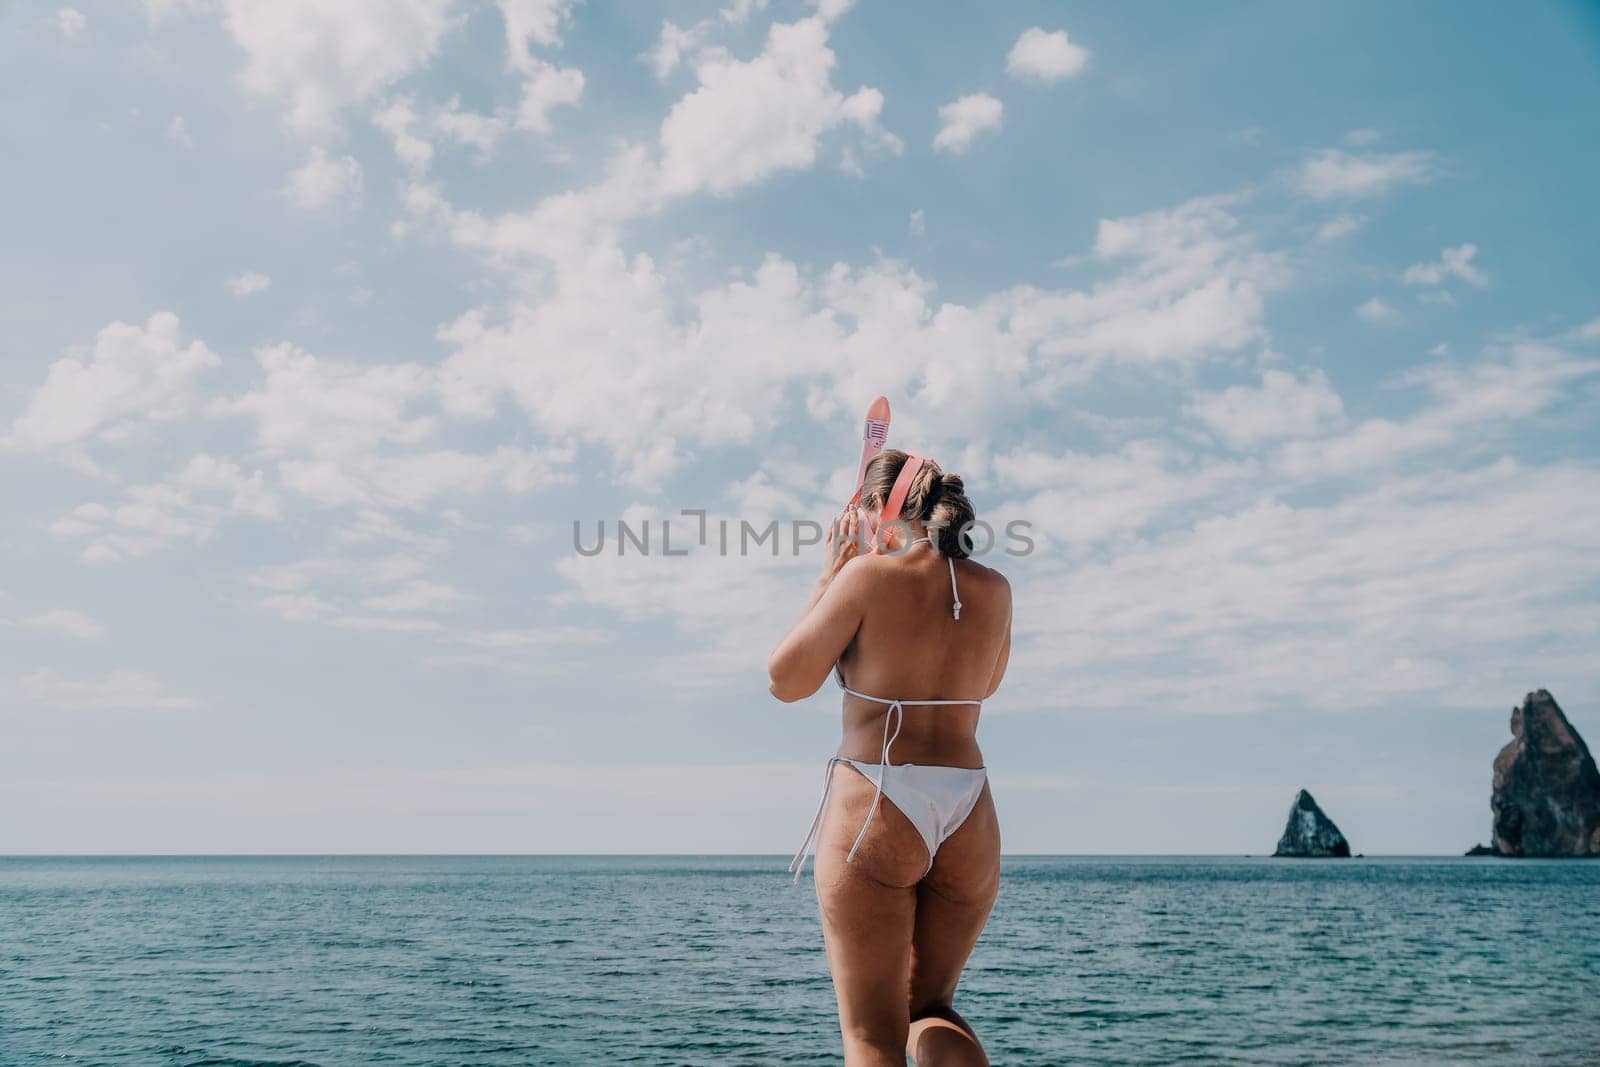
(955, 608)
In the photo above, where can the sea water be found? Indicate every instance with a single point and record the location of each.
(719, 960)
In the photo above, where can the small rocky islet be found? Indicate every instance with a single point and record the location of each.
(1309, 833)
(1546, 797)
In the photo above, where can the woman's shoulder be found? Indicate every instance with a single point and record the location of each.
(976, 571)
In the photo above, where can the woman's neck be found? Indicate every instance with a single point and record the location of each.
(910, 533)
(911, 539)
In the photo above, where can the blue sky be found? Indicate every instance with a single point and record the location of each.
(325, 323)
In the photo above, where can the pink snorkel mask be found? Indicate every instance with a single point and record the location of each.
(897, 498)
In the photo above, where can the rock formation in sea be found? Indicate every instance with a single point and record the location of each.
(1310, 833)
(1546, 789)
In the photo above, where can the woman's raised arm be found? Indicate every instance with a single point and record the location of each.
(802, 660)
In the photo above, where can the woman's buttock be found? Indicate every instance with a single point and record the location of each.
(894, 850)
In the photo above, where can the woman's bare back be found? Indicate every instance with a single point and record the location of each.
(909, 645)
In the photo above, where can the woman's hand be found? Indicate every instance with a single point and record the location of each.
(843, 543)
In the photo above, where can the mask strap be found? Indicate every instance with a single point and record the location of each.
(902, 486)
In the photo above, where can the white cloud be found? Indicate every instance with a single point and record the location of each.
(370, 526)
(1168, 236)
(1340, 226)
(70, 21)
(65, 622)
(359, 436)
(187, 507)
(751, 119)
(649, 386)
(131, 377)
(674, 44)
(470, 128)
(320, 58)
(302, 575)
(397, 119)
(117, 691)
(1079, 500)
(744, 123)
(320, 407)
(417, 596)
(740, 10)
(675, 378)
(563, 227)
(1285, 405)
(414, 479)
(670, 379)
(1453, 263)
(413, 133)
(531, 22)
(741, 598)
(247, 283)
(1336, 175)
(1436, 586)
(297, 607)
(324, 180)
(1193, 285)
(1046, 56)
(1470, 407)
(1237, 594)
(384, 594)
(919, 223)
(1590, 331)
(1376, 312)
(547, 87)
(1362, 138)
(963, 119)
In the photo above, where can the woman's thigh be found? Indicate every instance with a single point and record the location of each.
(869, 911)
(953, 904)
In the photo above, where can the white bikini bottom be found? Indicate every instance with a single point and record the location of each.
(937, 800)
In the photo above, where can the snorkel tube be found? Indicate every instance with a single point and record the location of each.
(873, 437)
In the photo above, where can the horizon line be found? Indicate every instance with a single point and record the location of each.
(704, 855)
